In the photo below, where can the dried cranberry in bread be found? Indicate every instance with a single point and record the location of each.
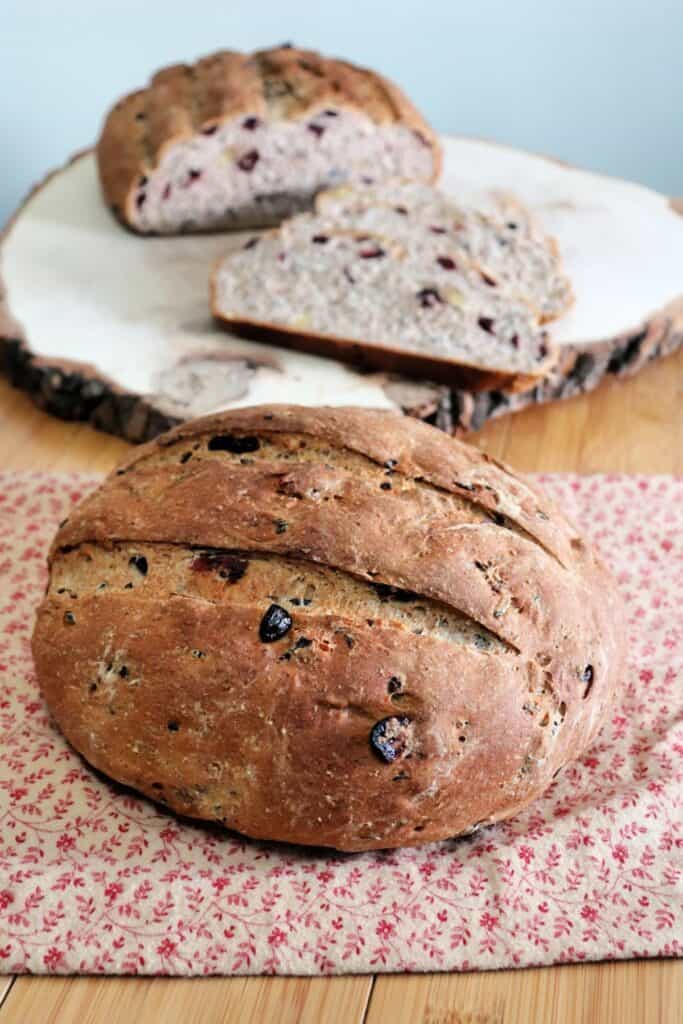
(241, 140)
(326, 626)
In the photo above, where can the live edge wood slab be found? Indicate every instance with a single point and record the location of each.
(100, 325)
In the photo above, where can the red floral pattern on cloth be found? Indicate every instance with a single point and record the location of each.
(94, 879)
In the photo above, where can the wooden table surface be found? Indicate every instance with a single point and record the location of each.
(633, 426)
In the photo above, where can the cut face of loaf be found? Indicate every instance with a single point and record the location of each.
(327, 626)
(504, 244)
(241, 140)
(388, 287)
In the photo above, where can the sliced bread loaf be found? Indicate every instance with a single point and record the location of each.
(369, 283)
(240, 140)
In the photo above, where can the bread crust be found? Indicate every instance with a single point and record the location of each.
(496, 641)
(385, 357)
(183, 99)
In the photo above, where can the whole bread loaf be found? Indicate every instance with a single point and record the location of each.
(398, 277)
(336, 627)
(241, 140)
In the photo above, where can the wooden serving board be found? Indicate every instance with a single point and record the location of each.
(101, 325)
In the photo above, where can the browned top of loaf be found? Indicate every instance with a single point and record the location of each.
(400, 536)
(282, 83)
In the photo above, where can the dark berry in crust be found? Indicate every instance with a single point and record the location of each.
(392, 737)
(275, 624)
(140, 563)
(235, 445)
(229, 567)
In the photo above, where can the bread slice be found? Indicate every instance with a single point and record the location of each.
(239, 140)
(386, 287)
(504, 243)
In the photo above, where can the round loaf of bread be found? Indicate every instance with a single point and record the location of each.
(245, 139)
(338, 627)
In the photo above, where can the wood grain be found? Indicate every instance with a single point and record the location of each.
(610, 993)
(186, 1000)
(632, 426)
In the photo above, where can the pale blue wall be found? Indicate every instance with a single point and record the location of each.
(597, 82)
